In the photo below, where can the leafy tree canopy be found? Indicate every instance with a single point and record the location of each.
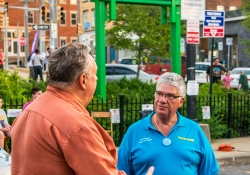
(138, 28)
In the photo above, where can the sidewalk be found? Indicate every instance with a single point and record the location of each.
(241, 153)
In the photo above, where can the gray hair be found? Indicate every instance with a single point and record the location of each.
(67, 63)
(174, 80)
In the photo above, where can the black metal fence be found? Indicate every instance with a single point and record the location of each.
(230, 115)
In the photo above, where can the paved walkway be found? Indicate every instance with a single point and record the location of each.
(241, 153)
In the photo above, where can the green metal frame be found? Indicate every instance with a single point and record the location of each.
(101, 17)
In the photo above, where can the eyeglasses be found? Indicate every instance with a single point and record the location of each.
(159, 94)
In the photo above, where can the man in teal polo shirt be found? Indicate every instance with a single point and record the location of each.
(171, 143)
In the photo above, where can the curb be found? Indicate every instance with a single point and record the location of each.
(234, 160)
(21, 69)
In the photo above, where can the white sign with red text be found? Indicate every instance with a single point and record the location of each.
(193, 32)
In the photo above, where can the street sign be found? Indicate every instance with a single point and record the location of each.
(86, 25)
(192, 10)
(229, 41)
(193, 32)
(40, 27)
(54, 31)
(22, 41)
(214, 24)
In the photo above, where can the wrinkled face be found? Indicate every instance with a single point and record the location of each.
(163, 106)
(37, 94)
(216, 62)
(91, 80)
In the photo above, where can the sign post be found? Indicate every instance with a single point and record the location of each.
(213, 27)
(193, 12)
(229, 42)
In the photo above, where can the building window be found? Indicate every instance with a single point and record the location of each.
(73, 19)
(63, 42)
(30, 17)
(93, 18)
(85, 16)
(73, 1)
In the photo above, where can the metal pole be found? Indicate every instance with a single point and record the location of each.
(26, 31)
(121, 117)
(228, 54)
(52, 47)
(6, 39)
(41, 33)
(191, 99)
(18, 46)
(211, 77)
(79, 20)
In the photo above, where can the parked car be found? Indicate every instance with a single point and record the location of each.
(201, 71)
(236, 76)
(130, 61)
(118, 71)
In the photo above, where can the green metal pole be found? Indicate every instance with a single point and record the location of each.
(175, 39)
(100, 49)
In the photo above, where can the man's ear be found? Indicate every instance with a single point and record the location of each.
(83, 81)
(181, 101)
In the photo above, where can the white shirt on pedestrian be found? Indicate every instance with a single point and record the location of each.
(37, 59)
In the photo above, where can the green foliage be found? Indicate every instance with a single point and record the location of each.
(144, 22)
(13, 86)
(130, 88)
(246, 24)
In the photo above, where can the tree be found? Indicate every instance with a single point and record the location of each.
(138, 28)
(246, 24)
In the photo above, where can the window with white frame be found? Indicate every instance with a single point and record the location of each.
(73, 16)
(62, 41)
(85, 16)
(30, 17)
(93, 18)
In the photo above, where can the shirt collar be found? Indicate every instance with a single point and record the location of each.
(64, 95)
(148, 124)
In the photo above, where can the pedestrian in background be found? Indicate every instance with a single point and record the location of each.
(35, 92)
(227, 79)
(243, 81)
(173, 144)
(217, 71)
(31, 67)
(1, 59)
(37, 62)
(47, 57)
(4, 125)
(55, 134)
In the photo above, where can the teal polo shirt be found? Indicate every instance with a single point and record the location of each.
(189, 152)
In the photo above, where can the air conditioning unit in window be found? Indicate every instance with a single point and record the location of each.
(84, 0)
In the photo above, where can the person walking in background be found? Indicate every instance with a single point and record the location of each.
(37, 62)
(4, 125)
(35, 92)
(47, 56)
(55, 134)
(173, 144)
(1, 59)
(31, 67)
(227, 79)
(243, 81)
(218, 70)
